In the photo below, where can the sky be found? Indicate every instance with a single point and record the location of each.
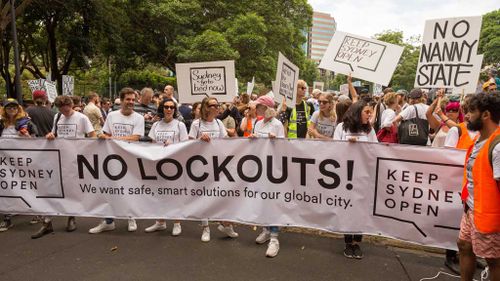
(369, 17)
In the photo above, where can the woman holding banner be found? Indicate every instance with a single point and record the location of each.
(167, 131)
(268, 127)
(206, 128)
(356, 127)
(14, 123)
(324, 120)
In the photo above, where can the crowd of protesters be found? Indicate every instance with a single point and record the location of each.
(418, 117)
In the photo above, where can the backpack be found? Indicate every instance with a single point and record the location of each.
(414, 131)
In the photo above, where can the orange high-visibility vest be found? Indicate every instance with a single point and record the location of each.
(249, 128)
(464, 142)
(486, 189)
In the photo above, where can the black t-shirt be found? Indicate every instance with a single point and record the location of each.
(301, 118)
(43, 118)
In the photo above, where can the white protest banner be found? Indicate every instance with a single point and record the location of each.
(344, 89)
(364, 58)
(51, 90)
(250, 86)
(198, 80)
(406, 192)
(287, 76)
(68, 85)
(319, 85)
(448, 56)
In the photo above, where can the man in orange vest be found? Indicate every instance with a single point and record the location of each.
(480, 225)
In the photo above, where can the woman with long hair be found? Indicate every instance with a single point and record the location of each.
(14, 123)
(447, 111)
(356, 127)
(324, 120)
(167, 131)
(248, 122)
(206, 128)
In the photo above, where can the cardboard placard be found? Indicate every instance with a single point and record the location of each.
(250, 86)
(364, 58)
(68, 85)
(287, 75)
(318, 85)
(201, 79)
(448, 56)
(51, 90)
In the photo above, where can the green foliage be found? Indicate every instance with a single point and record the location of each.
(309, 72)
(208, 46)
(404, 75)
(489, 42)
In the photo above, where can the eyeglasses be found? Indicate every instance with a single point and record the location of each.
(323, 102)
(303, 88)
(11, 107)
(213, 105)
(169, 107)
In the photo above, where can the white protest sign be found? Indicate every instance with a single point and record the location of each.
(51, 90)
(198, 80)
(405, 192)
(364, 58)
(34, 85)
(250, 86)
(236, 92)
(318, 85)
(287, 76)
(68, 85)
(344, 89)
(448, 56)
(377, 89)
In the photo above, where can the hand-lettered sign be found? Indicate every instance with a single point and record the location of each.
(287, 76)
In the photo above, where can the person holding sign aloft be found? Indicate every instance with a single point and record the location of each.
(268, 126)
(167, 131)
(206, 128)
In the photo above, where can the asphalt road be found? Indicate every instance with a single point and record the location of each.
(120, 255)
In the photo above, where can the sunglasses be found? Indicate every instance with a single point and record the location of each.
(169, 107)
(323, 102)
(452, 110)
(213, 105)
(303, 88)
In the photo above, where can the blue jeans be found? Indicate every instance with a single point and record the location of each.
(273, 229)
(109, 221)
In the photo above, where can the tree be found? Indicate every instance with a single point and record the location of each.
(404, 75)
(309, 72)
(489, 42)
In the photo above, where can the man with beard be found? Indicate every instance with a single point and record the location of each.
(480, 225)
(124, 124)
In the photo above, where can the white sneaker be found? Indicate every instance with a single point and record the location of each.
(156, 227)
(205, 236)
(228, 230)
(273, 248)
(132, 225)
(103, 226)
(263, 237)
(176, 231)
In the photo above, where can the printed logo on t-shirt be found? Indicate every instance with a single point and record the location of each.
(358, 137)
(66, 130)
(212, 134)
(324, 129)
(165, 136)
(122, 130)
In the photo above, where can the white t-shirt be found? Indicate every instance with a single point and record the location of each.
(387, 118)
(340, 134)
(409, 112)
(452, 137)
(74, 126)
(324, 126)
(119, 125)
(274, 126)
(214, 129)
(172, 132)
(10, 132)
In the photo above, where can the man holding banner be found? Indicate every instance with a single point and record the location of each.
(480, 225)
(128, 125)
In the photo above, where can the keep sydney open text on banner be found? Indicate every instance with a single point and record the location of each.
(406, 192)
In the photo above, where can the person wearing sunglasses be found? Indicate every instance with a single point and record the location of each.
(452, 113)
(324, 120)
(297, 119)
(167, 131)
(206, 128)
(14, 124)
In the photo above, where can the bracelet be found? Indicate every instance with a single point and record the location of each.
(446, 120)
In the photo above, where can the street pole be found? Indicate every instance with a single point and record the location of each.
(19, 91)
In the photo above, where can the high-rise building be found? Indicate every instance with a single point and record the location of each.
(319, 36)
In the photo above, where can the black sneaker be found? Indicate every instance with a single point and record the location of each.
(46, 229)
(358, 254)
(71, 226)
(349, 251)
(453, 264)
(5, 225)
